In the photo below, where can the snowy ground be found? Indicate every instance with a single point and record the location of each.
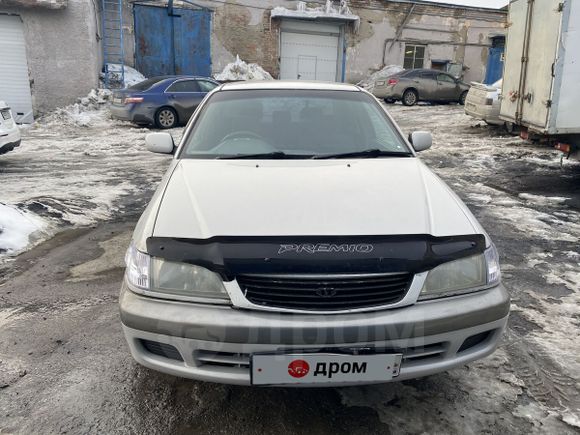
(75, 167)
(530, 204)
(65, 368)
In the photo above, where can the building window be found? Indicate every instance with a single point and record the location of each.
(414, 56)
(440, 65)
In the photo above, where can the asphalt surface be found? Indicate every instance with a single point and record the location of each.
(65, 367)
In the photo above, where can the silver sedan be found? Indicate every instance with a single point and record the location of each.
(412, 86)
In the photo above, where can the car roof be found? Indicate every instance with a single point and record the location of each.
(426, 70)
(289, 84)
(162, 78)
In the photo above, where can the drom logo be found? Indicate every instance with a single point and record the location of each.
(298, 368)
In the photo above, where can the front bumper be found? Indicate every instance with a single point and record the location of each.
(215, 343)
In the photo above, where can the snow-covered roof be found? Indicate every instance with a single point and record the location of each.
(326, 12)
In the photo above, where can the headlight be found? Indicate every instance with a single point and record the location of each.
(156, 277)
(463, 276)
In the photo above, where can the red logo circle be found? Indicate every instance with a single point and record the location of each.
(298, 368)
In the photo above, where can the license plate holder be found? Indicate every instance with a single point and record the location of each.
(316, 368)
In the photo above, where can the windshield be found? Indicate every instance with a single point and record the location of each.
(292, 124)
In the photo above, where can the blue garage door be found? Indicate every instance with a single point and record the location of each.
(494, 69)
(172, 44)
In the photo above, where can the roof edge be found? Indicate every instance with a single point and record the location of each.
(501, 10)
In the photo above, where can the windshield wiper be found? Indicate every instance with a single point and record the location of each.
(271, 155)
(370, 153)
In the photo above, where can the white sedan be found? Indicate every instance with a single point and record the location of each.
(9, 132)
(297, 239)
(483, 102)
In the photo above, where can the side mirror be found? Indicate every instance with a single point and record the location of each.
(161, 143)
(421, 140)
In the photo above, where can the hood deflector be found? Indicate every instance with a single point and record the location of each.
(233, 255)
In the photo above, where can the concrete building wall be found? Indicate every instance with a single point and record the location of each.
(128, 34)
(62, 51)
(449, 33)
(247, 32)
(65, 58)
(456, 34)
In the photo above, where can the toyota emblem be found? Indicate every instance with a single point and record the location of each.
(326, 292)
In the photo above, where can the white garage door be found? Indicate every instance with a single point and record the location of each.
(309, 56)
(14, 83)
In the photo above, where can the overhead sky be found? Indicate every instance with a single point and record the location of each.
(481, 3)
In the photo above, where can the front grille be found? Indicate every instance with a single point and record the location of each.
(325, 292)
(241, 361)
(421, 353)
(223, 359)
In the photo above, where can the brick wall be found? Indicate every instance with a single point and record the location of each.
(254, 39)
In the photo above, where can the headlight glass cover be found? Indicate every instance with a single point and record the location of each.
(156, 277)
(463, 276)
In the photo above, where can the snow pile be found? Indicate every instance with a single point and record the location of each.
(16, 228)
(240, 70)
(382, 74)
(342, 12)
(85, 112)
(132, 76)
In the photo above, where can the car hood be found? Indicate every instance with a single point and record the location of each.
(207, 198)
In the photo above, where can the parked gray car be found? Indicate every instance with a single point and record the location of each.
(412, 86)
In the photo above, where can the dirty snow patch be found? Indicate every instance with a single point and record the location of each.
(240, 70)
(16, 228)
(342, 12)
(132, 76)
(543, 200)
(571, 419)
(87, 111)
